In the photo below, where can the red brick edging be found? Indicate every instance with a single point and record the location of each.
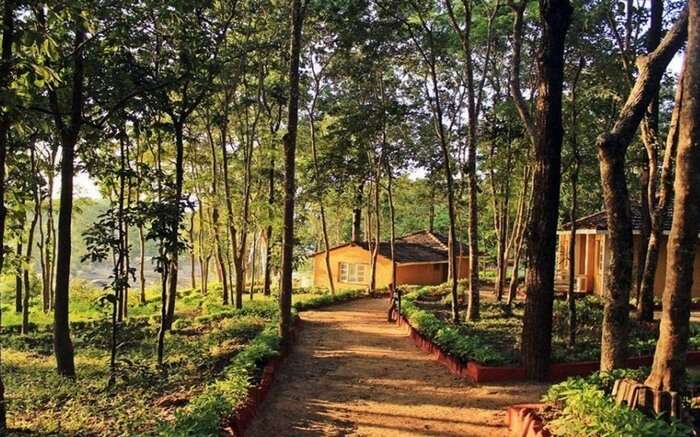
(480, 373)
(236, 424)
(523, 421)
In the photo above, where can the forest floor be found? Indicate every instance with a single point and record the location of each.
(352, 373)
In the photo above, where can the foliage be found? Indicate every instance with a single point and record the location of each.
(453, 340)
(328, 299)
(585, 408)
(202, 415)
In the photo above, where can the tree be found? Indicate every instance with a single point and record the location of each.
(647, 270)
(5, 78)
(668, 370)
(290, 142)
(612, 148)
(542, 226)
(69, 134)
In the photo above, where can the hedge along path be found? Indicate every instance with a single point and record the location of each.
(352, 373)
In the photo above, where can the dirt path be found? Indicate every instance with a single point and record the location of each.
(352, 373)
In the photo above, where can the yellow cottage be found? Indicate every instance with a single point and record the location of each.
(421, 259)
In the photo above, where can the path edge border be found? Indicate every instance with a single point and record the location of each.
(238, 422)
(480, 373)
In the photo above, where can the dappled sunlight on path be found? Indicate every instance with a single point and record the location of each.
(352, 373)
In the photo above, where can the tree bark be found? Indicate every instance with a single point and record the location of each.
(659, 211)
(542, 226)
(645, 312)
(571, 295)
(25, 272)
(63, 346)
(178, 127)
(612, 148)
(668, 370)
(523, 216)
(18, 269)
(317, 175)
(290, 143)
(267, 280)
(8, 22)
(221, 265)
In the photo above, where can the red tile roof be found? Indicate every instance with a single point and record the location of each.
(422, 246)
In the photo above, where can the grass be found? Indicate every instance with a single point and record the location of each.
(495, 338)
(211, 358)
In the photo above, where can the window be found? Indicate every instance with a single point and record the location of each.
(353, 273)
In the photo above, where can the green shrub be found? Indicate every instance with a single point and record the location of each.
(601, 380)
(202, 415)
(588, 411)
(327, 299)
(454, 340)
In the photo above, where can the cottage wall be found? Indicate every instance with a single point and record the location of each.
(350, 254)
(589, 258)
(406, 274)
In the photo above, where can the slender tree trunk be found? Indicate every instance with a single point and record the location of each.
(18, 273)
(221, 265)
(142, 262)
(612, 148)
(290, 142)
(253, 255)
(377, 229)
(267, 280)
(160, 343)
(668, 370)
(5, 78)
(25, 272)
(646, 306)
(63, 346)
(392, 216)
(193, 255)
(542, 226)
(178, 127)
(523, 216)
(571, 296)
(317, 175)
(650, 133)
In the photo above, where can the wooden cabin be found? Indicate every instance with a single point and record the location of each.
(593, 254)
(421, 259)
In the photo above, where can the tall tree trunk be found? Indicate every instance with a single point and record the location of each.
(221, 265)
(317, 176)
(63, 346)
(142, 236)
(18, 271)
(542, 226)
(612, 148)
(5, 79)
(377, 228)
(290, 143)
(392, 216)
(178, 127)
(518, 237)
(253, 255)
(25, 271)
(193, 254)
(474, 95)
(267, 275)
(645, 302)
(668, 370)
(659, 211)
(571, 296)
(160, 342)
